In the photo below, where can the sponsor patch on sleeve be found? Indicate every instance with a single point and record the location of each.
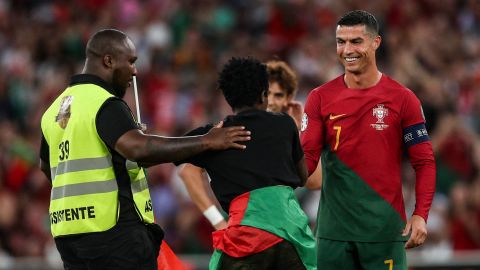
(415, 134)
(304, 122)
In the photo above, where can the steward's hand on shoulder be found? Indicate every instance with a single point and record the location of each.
(219, 138)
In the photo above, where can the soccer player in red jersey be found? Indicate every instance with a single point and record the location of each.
(360, 123)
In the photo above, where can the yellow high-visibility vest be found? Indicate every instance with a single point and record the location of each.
(84, 196)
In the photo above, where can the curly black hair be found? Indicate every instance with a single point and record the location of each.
(243, 81)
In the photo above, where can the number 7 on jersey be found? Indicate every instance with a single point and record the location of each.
(337, 137)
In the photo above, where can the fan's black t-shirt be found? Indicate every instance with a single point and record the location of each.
(269, 159)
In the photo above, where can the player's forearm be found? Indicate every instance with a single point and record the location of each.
(198, 188)
(423, 162)
(195, 182)
(314, 181)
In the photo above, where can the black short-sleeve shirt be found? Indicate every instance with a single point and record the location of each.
(113, 120)
(269, 159)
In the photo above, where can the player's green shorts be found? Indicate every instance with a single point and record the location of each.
(340, 255)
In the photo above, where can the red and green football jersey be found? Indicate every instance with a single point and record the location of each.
(361, 135)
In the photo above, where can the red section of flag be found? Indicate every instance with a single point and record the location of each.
(167, 260)
(240, 241)
(238, 206)
(237, 240)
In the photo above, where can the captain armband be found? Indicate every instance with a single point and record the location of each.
(213, 215)
(415, 134)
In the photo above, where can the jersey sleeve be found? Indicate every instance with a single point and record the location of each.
(113, 120)
(423, 162)
(312, 131)
(420, 153)
(412, 112)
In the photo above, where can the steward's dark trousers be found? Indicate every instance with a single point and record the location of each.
(278, 257)
(122, 247)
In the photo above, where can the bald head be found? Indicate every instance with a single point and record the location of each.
(107, 41)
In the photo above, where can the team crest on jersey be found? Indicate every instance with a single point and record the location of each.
(64, 113)
(304, 122)
(380, 112)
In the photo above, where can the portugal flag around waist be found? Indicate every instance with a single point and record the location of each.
(276, 210)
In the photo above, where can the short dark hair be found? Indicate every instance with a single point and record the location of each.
(362, 17)
(106, 41)
(243, 81)
(281, 73)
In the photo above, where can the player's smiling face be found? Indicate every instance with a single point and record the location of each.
(356, 48)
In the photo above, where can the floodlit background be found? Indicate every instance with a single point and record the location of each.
(431, 46)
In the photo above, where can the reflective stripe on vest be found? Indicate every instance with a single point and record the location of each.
(83, 164)
(140, 191)
(140, 185)
(84, 189)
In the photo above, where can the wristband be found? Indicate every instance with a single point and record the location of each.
(213, 215)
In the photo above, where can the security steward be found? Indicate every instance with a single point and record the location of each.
(93, 152)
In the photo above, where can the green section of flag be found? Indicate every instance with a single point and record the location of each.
(215, 260)
(350, 210)
(276, 210)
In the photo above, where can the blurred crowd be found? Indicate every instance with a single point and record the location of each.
(431, 46)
